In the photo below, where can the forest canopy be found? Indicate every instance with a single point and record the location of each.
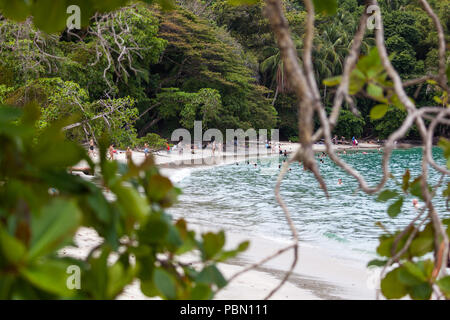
(203, 60)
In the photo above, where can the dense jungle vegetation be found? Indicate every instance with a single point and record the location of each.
(142, 73)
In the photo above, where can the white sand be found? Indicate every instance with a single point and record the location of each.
(319, 274)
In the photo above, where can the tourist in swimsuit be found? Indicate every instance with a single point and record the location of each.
(111, 152)
(146, 150)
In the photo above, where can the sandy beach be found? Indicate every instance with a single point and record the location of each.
(321, 273)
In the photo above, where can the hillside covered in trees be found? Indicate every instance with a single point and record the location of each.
(141, 72)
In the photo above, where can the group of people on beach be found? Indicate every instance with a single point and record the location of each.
(112, 151)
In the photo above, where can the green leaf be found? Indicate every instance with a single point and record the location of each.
(132, 202)
(158, 187)
(423, 242)
(370, 61)
(384, 248)
(53, 227)
(225, 255)
(155, 230)
(386, 195)
(378, 111)
(212, 244)
(118, 278)
(422, 291)
(329, 7)
(395, 208)
(95, 280)
(445, 145)
(53, 155)
(211, 274)
(375, 91)
(377, 263)
(10, 247)
(391, 287)
(357, 81)
(6, 283)
(8, 114)
(201, 291)
(331, 82)
(165, 283)
(421, 246)
(149, 288)
(444, 285)
(438, 100)
(414, 270)
(416, 188)
(15, 9)
(49, 15)
(50, 276)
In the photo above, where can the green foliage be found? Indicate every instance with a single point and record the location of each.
(153, 140)
(60, 99)
(51, 17)
(35, 224)
(210, 59)
(349, 125)
(411, 274)
(326, 6)
(205, 105)
(389, 122)
(378, 111)
(445, 146)
(410, 278)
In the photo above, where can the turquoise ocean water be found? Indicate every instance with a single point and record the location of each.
(240, 198)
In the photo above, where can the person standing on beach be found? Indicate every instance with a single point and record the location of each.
(146, 150)
(168, 147)
(111, 152)
(335, 139)
(91, 148)
(128, 155)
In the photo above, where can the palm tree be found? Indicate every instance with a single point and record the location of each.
(273, 67)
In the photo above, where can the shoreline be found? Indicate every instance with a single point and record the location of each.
(319, 274)
(205, 157)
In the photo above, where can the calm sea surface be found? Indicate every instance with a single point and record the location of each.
(240, 198)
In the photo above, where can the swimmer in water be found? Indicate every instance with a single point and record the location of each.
(415, 203)
(340, 182)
